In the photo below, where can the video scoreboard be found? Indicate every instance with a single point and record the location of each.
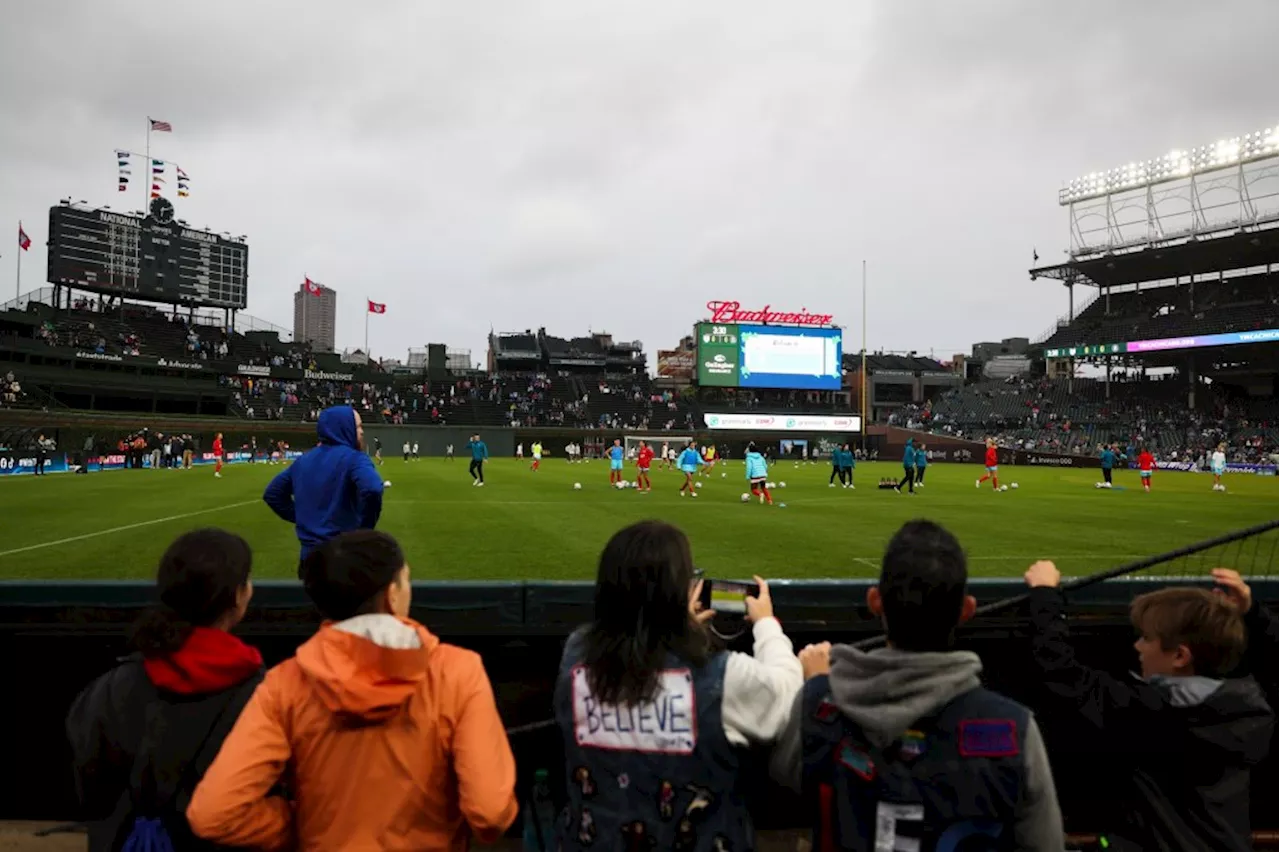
(736, 355)
(153, 257)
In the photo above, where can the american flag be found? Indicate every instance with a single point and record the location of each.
(161, 126)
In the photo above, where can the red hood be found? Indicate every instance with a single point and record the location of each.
(209, 661)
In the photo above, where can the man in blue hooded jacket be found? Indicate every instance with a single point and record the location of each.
(331, 489)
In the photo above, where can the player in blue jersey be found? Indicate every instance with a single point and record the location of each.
(689, 462)
(615, 462)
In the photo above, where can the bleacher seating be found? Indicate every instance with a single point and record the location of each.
(1244, 303)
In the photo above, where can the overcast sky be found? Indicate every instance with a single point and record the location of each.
(606, 166)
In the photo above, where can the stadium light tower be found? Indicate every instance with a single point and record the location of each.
(1229, 184)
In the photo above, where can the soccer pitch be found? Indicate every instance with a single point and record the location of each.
(524, 525)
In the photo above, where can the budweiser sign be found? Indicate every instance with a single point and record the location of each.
(731, 312)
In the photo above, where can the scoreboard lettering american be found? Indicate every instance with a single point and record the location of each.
(146, 257)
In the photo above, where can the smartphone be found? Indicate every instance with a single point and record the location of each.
(728, 596)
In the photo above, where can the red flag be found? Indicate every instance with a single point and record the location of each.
(24, 242)
(312, 287)
(377, 308)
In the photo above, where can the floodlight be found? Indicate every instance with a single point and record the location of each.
(1176, 164)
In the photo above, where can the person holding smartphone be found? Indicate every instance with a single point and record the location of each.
(654, 718)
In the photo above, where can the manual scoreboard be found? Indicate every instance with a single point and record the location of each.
(146, 257)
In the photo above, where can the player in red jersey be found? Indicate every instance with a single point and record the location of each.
(643, 459)
(993, 467)
(1146, 464)
(217, 454)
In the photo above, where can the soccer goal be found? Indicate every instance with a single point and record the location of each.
(631, 443)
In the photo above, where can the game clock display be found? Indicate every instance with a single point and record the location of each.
(153, 257)
(766, 356)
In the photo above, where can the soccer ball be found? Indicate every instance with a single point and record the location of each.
(621, 485)
(1014, 486)
(387, 484)
(770, 485)
(746, 498)
(782, 485)
(723, 475)
(1004, 488)
(697, 485)
(577, 486)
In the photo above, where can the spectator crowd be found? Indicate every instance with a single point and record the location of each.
(377, 735)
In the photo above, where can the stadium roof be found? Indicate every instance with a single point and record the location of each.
(1236, 249)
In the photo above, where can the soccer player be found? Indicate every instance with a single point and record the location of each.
(479, 452)
(849, 465)
(666, 455)
(1218, 465)
(407, 449)
(217, 455)
(377, 450)
(415, 450)
(837, 460)
(520, 450)
(536, 449)
(758, 474)
(615, 462)
(922, 462)
(993, 467)
(1107, 458)
(643, 459)
(689, 462)
(709, 453)
(448, 452)
(908, 467)
(1146, 464)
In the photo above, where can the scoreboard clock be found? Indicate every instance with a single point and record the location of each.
(151, 257)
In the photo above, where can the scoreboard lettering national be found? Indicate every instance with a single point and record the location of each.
(733, 355)
(152, 257)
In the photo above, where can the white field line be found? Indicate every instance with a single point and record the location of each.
(126, 528)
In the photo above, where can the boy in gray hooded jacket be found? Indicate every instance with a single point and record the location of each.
(903, 745)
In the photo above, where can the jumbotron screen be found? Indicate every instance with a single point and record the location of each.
(153, 257)
(766, 356)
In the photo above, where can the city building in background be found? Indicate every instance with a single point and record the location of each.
(315, 316)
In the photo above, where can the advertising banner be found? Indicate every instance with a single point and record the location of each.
(676, 364)
(783, 422)
(24, 462)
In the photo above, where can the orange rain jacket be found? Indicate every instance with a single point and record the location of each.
(385, 737)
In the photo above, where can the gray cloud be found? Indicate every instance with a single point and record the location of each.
(578, 164)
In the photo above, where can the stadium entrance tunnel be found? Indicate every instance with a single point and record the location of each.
(55, 638)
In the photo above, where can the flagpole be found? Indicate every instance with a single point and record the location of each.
(146, 184)
(863, 395)
(366, 327)
(18, 286)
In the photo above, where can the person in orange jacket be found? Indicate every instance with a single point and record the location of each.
(387, 737)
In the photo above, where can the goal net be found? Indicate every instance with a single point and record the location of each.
(632, 444)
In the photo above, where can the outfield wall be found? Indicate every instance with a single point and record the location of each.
(56, 637)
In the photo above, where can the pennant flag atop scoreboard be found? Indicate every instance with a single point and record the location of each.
(123, 169)
(184, 187)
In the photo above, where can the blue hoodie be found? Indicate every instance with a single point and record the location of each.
(1108, 459)
(922, 458)
(756, 466)
(331, 489)
(909, 454)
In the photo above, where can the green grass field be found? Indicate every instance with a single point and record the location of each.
(522, 525)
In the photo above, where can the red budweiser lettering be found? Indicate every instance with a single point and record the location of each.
(728, 312)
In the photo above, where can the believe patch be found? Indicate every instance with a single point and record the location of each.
(668, 724)
(988, 738)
